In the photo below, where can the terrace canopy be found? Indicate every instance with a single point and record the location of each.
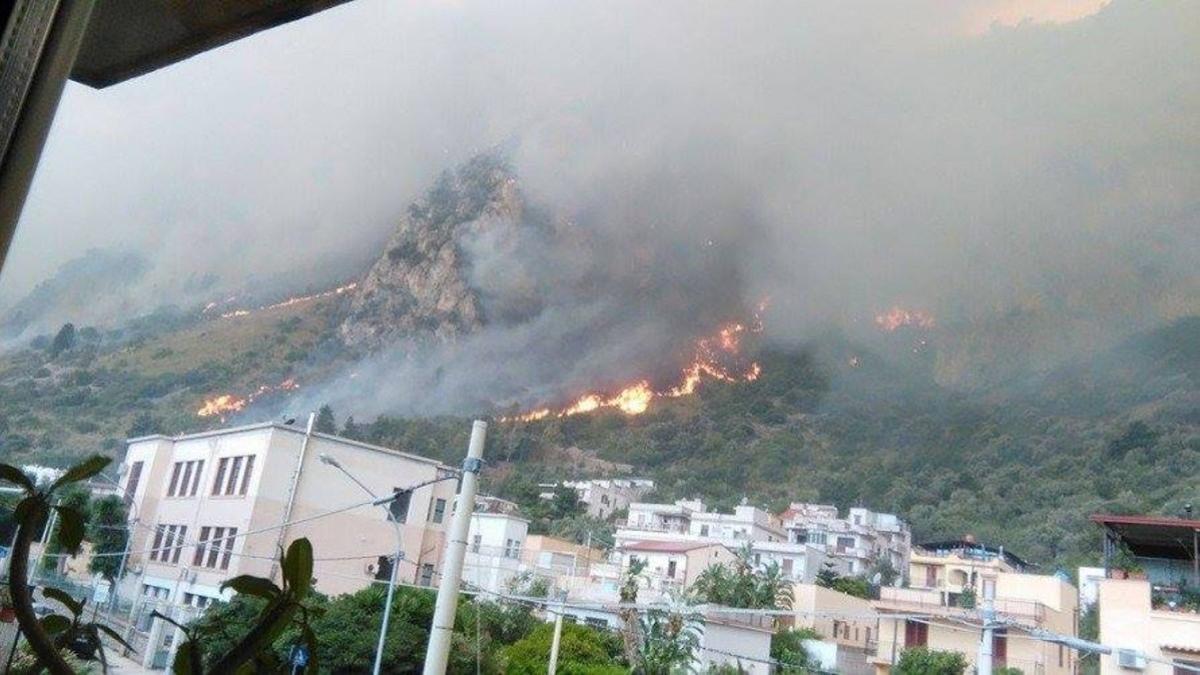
(1152, 537)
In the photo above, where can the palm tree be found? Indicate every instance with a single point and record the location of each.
(631, 627)
(669, 641)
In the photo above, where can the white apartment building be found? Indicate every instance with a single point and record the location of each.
(605, 496)
(671, 566)
(861, 539)
(207, 507)
(495, 542)
(689, 521)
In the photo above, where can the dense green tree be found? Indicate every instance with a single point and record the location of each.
(108, 531)
(741, 585)
(922, 661)
(63, 340)
(78, 498)
(581, 651)
(668, 642)
(787, 647)
(143, 424)
(326, 423)
(827, 576)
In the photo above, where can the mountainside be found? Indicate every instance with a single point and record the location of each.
(418, 289)
(1019, 460)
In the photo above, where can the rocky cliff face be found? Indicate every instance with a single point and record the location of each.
(420, 288)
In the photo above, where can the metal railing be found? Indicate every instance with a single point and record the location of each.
(935, 600)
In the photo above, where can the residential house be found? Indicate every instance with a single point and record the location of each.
(603, 497)
(847, 623)
(863, 539)
(1148, 604)
(746, 528)
(951, 581)
(559, 557)
(672, 566)
(494, 548)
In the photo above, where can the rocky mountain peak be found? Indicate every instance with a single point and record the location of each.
(419, 289)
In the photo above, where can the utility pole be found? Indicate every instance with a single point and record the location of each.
(986, 643)
(438, 653)
(50, 525)
(558, 621)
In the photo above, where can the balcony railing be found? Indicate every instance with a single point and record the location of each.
(671, 528)
(937, 602)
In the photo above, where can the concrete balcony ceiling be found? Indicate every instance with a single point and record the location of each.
(127, 38)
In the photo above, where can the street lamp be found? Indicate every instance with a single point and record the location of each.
(387, 607)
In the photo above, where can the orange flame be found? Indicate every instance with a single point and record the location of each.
(285, 303)
(224, 404)
(896, 317)
(711, 355)
(221, 405)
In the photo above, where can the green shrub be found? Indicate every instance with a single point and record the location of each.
(581, 651)
(922, 661)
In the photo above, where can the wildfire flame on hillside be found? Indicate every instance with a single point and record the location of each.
(300, 299)
(715, 357)
(896, 317)
(225, 404)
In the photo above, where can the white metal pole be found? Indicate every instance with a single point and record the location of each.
(291, 494)
(984, 666)
(387, 607)
(554, 644)
(438, 653)
(53, 520)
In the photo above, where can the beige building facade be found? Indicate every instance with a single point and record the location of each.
(208, 507)
(938, 619)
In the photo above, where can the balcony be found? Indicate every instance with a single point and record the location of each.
(666, 528)
(945, 604)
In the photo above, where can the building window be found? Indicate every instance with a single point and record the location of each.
(845, 543)
(398, 509)
(246, 475)
(915, 634)
(816, 538)
(233, 475)
(131, 485)
(185, 478)
(439, 511)
(426, 574)
(512, 548)
(168, 543)
(593, 622)
(215, 548)
(787, 566)
(671, 569)
(155, 592)
(703, 530)
(475, 542)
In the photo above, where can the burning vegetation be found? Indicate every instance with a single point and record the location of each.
(715, 357)
(226, 404)
(290, 302)
(898, 317)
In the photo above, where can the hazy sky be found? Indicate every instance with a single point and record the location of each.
(969, 158)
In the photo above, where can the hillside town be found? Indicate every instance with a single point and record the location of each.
(205, 508)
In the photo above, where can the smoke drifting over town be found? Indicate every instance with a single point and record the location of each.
(1029, 180)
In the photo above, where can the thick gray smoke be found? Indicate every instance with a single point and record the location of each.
(1030, 180)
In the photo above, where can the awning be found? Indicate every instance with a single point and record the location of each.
(1153, 536)
(127, 38)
